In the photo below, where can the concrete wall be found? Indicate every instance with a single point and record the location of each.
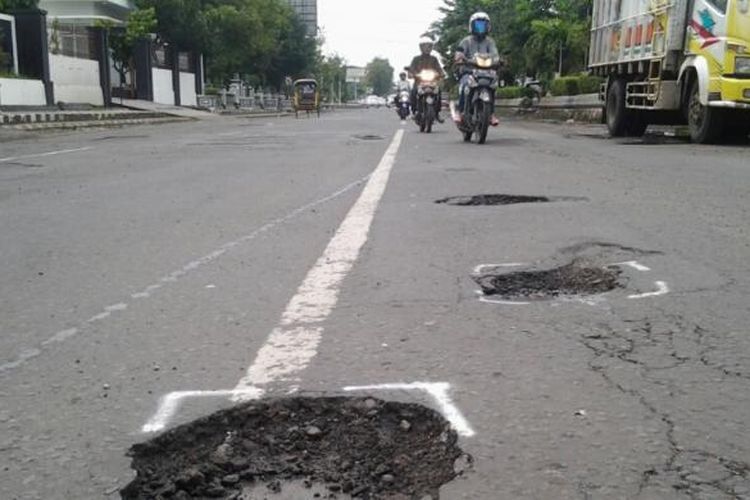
(76, 80)
(21, 92)
(163, 89)
(188, 96)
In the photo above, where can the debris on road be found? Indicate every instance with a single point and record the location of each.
(355, 447)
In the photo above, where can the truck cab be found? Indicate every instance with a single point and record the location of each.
(669, 61)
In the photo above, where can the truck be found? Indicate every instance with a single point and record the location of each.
(673, 61)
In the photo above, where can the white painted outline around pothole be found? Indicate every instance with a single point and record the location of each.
(169, 405)
(662, 287)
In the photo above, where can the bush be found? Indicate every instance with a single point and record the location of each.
(575, 85)
(509, 92)
(514, 92)
(590, 84)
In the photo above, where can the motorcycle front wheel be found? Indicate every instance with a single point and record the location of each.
(429, 119)
(484, 112)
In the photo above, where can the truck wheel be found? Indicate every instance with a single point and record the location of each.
(737, 127)
(636, 124)
(617, 116)
(705, 123)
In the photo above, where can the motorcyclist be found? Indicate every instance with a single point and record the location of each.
(478, 42)
(402, 85)
(425, 60)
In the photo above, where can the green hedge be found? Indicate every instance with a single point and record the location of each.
(575, 85)
(514, 92)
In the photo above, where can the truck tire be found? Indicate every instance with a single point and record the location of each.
(705, 123)
(617, 115)
(636, 124)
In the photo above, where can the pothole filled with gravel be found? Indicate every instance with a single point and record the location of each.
(302, 448)
(575, 278)
(491, 199)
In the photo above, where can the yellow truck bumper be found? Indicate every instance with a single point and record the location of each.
(735, 90)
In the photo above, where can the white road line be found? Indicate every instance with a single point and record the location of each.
(663, 289)
(440, 392)
(41, 155)
(294, 343)
(172, 277)
(635, 265)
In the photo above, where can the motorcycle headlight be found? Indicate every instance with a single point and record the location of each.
(484, 62)
(427, 75)
(742, 65)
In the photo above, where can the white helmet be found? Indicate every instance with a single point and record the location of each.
(426, 44)
(480, 24)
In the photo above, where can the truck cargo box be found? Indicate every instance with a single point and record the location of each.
(636, 30)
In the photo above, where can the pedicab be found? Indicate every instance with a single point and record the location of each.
(306, 97)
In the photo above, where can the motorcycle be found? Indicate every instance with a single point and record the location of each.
(427, 95)
(404, 105)
(478, 102)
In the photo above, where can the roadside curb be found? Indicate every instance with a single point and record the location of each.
(72, 125)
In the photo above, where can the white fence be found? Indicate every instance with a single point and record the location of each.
(188, 96)
(163, 89)
(21, 92)
(76, 80)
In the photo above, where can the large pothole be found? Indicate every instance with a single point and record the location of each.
(301, 448)
(575, 278)
(492, 199)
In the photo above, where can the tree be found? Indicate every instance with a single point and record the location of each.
(140, 23)
(331, 74)
(379, 76)
(179, 22)
(10, 5)
(529, 33)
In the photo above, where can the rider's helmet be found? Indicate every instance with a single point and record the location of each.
(426, 44)
(480, 24)
(402, 75)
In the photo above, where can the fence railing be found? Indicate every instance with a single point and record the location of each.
(256, 101)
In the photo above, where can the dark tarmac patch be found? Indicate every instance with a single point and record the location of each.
(350, 447)
(575, 278)
(368, 137)
(491, 199)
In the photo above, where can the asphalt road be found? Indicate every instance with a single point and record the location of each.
(142, 261)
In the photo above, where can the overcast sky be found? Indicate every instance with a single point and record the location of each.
(360, 30)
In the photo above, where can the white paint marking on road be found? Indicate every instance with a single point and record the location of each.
(169, 404)
(61, 336)
(635, 265)
(485, 299)
(42, 155)
(482, 267)
(662, 289)
(99, 317)
(21, 359)
(294, 343)
(440, 392)
(149, 290)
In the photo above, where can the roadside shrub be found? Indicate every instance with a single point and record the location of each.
(590, 84)
(509, 92)
(575, 85)
(514, 92)
(567, 85)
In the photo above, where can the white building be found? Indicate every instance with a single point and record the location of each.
(87, 12)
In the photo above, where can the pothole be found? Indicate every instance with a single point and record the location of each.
(575, 278)
(301, 448)
(368, 137)
(492, 199)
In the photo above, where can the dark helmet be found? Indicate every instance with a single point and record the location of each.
(402, 75)
(480, 24)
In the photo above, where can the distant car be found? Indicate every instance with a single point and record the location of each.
(374, 101)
